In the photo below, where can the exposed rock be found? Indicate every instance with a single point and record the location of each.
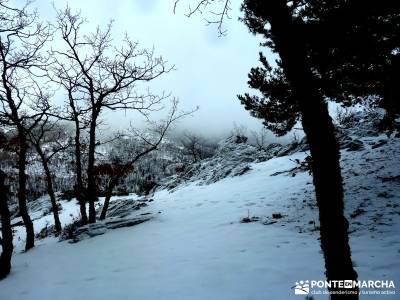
(389, 178)
(273, 148)
(232, 158)
(269, 222)
(384, 195)
(123, 207)
(277, 216)
(288, 149)
(357, 212)
(249, 220)
(101, 227)
(355, 145)
(303, 145)
(379, 144)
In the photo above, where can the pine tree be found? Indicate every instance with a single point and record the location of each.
(351, 59)
(276, 107)
(282, 27)
(358, 56)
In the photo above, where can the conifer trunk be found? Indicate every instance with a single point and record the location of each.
(319, 129)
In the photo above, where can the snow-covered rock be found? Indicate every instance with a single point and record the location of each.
(232, 158)
(196, 244)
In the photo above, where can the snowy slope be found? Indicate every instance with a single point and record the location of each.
(197, 247)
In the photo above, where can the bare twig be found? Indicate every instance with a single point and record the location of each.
(218, 15)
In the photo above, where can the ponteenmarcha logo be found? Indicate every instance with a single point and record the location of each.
(302, 288)
(375, 287)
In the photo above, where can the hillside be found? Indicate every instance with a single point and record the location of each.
(245, 235)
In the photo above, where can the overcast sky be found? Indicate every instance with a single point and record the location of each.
(210, 70)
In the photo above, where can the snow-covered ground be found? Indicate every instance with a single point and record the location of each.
(196, 247)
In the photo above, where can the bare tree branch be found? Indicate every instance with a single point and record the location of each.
(98, 76)
(23, 102)
(218, 15)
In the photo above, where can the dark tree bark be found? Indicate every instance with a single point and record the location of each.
(391, 99)
(23, 101)
(23, 210)
(22, 178)
(98, 80)
(118, 171)
(91, 187)
(50, 189)
(318, 127)
(48, 133)
(79, 179)
(109, 191)
(6, 231)
(16, 120)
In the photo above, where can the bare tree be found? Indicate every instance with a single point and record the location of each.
(73, 112)
(239, 129)
(7, 236)
(196, 146)
(22, 37)
(104, 77)
(260, 138)
(145, 145)
(49, 139)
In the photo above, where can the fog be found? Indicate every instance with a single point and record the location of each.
(209, 72)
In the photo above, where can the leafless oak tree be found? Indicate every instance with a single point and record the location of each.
(49, 139)
(101, 77)
(75, 113)
(196, 147)
(146, 144)
(22, 38)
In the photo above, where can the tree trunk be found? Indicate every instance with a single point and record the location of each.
(79, 179)
(23, 210)
(50, 189)
(6, 231)
(30, 234)
(91, 188)
(391, 94)
(318, 127)
(107, 199)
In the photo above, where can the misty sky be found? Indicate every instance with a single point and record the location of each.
(210, 70)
